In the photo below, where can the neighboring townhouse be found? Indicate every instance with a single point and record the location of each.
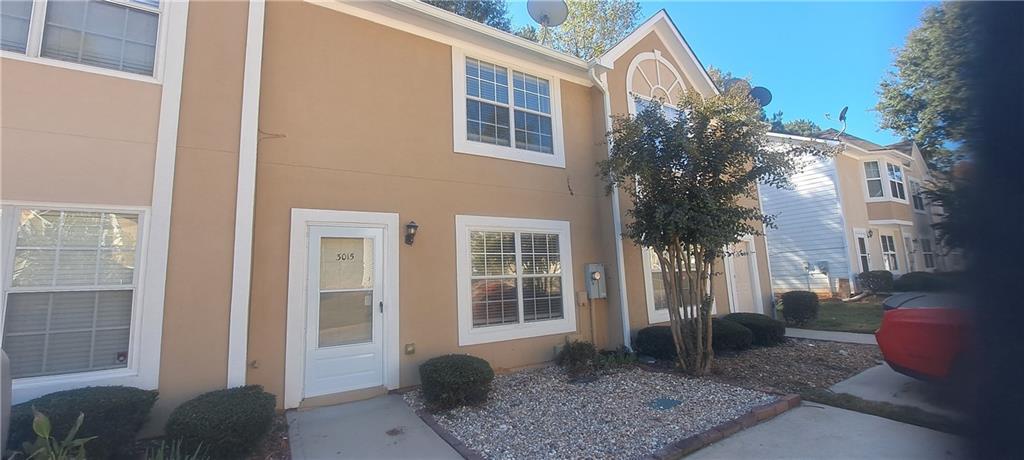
(315, 196)
(861, 210)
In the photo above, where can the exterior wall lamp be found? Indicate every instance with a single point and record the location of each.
(410, 231)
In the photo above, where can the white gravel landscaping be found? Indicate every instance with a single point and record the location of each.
(539, 414)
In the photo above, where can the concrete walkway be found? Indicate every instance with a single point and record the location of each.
(380, 428)
(833, 336)
(881, 383)
(813, 431)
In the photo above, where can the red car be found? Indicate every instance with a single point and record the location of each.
(925, 335)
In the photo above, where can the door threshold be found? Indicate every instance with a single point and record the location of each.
(341, 398)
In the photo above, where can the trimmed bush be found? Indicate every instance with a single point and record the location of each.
(925, 282)
(875, 281)
(729, 335)
(767, 331)
(455, 380)
(114, 414)
(800, 307)
(229, 423)
(656, 342)
(577, 357)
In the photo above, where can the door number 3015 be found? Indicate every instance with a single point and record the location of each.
(346, 256)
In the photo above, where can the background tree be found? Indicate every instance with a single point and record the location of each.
(799, 127)
(528, 32)
(925, 97)
(594, 26)
(686, 179)
(491, 12)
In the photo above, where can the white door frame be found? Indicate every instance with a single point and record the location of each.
(755, 274)
(295, 339)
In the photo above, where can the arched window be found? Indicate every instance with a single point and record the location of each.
(652, 77)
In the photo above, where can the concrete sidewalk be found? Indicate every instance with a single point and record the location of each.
(384, 427)
(833, 336)
(881, 383)
(814, 431)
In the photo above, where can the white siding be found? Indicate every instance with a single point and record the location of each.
(809, 229)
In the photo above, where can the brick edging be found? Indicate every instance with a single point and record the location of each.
(448, 437)
(695, 442)
(676, 450)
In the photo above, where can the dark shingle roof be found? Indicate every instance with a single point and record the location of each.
(905, 147)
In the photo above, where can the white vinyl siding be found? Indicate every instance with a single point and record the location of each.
(808, 230)
(70, 291)
(514, 278)
(120, 35)
(889, 258)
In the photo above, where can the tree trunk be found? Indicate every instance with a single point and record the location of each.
(687, 278)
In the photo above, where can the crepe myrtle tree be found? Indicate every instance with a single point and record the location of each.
(687, 178)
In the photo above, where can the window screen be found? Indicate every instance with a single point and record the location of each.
(69, 306)
(102, 34)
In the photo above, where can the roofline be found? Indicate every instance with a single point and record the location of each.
(794, 137)
(607, 60)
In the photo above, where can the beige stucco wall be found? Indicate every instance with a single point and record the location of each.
(68, 136)
(889, 210)
(196, 308)
(633, 254)
(362, 119)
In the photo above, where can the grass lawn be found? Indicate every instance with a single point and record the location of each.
(862, 317)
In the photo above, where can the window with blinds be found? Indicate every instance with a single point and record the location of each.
(658, 283)
(488, 111)
(502, 293)
(70, 291)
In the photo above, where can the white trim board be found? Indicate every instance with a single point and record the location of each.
(891, 222)
(241, 267)
(755, 282)
(295, 340)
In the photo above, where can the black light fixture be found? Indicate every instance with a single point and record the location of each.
(410, 231)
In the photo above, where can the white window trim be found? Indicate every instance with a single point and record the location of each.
(463, 145)
(468, 335)
(144, 326)
(883, 171)
(33, 49)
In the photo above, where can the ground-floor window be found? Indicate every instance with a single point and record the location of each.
(889, 258)
(69, 289)
(926, 251)
(515, 278)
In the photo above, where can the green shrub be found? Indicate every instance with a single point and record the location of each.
(113, 414)
(767, 331)
(577, 357)
(224, 423)
(800, 307)
(656, 342)
(926, 282)
(730, 335)
(875, 281)
(610, 359)
(455, 380)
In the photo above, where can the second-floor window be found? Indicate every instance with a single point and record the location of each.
(917, 196)
(874, 179)
(896, 181)
(112, 34)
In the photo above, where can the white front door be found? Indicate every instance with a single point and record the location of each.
(344, 310)
(745, 288)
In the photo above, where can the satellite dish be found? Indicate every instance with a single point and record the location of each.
(761, 95)
(842, 114)
(548, 13)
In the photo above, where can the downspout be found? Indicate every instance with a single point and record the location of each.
(245, 203)
(616, 213)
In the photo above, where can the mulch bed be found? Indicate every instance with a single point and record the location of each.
(795, 366)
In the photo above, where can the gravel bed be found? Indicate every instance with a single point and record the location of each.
(539, 414)
(795, 365)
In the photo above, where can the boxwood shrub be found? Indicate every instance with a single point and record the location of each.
(656, 342)
(450, 381)
(767, 331)
(925, 282)
(729, 335)
(576, 357)
(228, 423)
(800, 307)
(114, 414)
(875, 281)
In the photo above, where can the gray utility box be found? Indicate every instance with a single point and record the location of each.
(596, 284)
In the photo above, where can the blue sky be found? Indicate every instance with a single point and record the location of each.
(814, 57)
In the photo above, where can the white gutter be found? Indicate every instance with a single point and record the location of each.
(601, 84)
(241, 275)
